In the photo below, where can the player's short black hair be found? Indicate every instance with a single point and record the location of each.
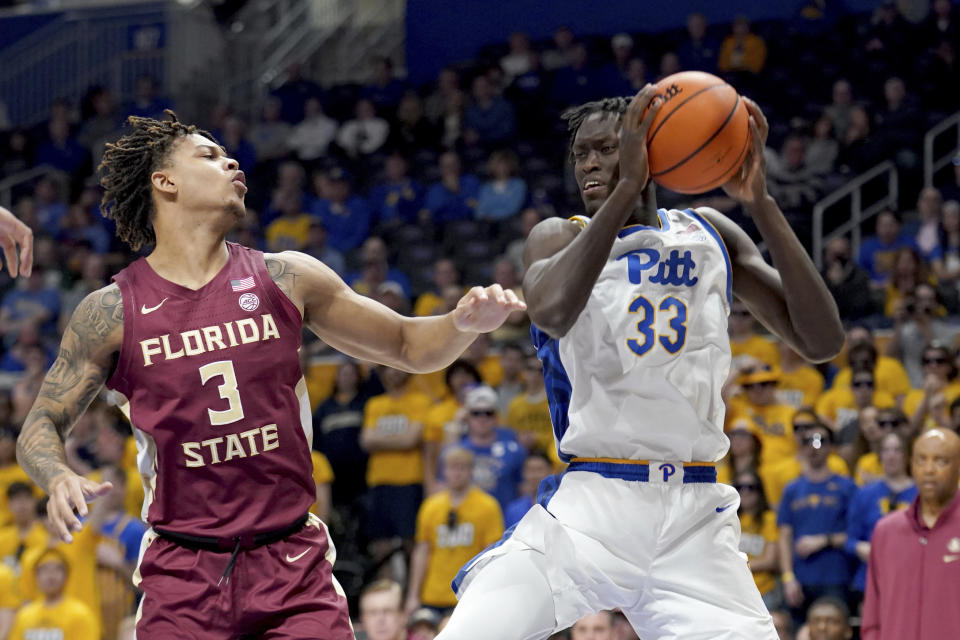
(836, 603)
(125, 174)
(461, 365)
(18, 489)
(574, 116)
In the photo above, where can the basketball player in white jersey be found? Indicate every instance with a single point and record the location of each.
(629, 307)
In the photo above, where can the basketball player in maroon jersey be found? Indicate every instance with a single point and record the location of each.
(199, 340)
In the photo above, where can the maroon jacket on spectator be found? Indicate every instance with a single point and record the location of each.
(913, 577)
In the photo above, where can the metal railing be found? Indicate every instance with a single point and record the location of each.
(932, 165)
(111, 47)
(858, 213)
(8, 184)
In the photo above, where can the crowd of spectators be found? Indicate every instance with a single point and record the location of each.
(412, 194)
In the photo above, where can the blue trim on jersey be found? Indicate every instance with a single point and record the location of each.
(559, 388)
(633, 228)
(712, 230)
(548, 487)
(641, 472)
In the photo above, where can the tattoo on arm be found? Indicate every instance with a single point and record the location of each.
(283, 274)
(78, 374)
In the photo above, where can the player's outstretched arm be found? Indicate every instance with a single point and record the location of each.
(563, 262)
(86, 358)
(792, 300)
(365, 329)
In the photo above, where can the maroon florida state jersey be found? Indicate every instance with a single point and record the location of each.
(211, 383)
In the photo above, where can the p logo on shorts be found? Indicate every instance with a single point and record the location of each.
(667, 469)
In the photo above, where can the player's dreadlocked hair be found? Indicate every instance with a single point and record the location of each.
(125, 174)
(576, 115)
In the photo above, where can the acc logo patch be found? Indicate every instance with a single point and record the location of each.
(954, 545)
(249, 301)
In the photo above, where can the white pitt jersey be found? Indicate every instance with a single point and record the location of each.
(638, 376)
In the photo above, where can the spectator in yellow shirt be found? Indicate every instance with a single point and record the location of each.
(890, 375)
(9, 600)
(10, 471)
(774, 420)
(744, 452)
(744, 340)
(54, 615)
(392, 434)
(445, 421)
(529, 412)
(25, 531)
(453, 526)
(866, 446)
(322, 479)
(800, 384)
(939, 379)
(759, 535)
(432, 303)
(80, 556)
(488, 364)
(742, 50)
(292, 229)
(839, 407)
(512, 361)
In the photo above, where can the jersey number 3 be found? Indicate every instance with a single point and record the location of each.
(228, 391)
(648, 336)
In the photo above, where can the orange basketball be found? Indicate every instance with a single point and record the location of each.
(701, 134)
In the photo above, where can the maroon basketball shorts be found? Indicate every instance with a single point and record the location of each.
(283, 590)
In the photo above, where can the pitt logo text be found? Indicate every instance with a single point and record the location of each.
(676, 270)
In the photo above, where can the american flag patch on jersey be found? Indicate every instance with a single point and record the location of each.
(243, 284)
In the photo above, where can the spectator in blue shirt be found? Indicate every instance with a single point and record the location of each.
(579, 82)
(146, 103)
(499, 457)
(118, 526)
(894, 492)
(384, 91)
(504, 194)
(813, 522)
(536, 467)
(233, 139)
(376, 270)
(454, 196)
(489, 119)
(62, 151)
(347, 218)
(699, 51)
(294, 93)
(878, 252)
(399, 198)
(49, 205)
(31, 304)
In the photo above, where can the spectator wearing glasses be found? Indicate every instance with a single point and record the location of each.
(840, 406)
(893, 492)
(778, 475)
(498, 457)
(888, 372)
(918, 321)
(812, 517)
(864, 452)
(744, 340)
(912, 585)
(452, 526)
(758, 537)
(774, 420)
(940, 386)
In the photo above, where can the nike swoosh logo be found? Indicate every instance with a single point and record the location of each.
(722, 509)
(297, 557)
(144, 309)
(949, 559)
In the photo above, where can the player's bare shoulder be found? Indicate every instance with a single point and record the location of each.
(549, 237)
